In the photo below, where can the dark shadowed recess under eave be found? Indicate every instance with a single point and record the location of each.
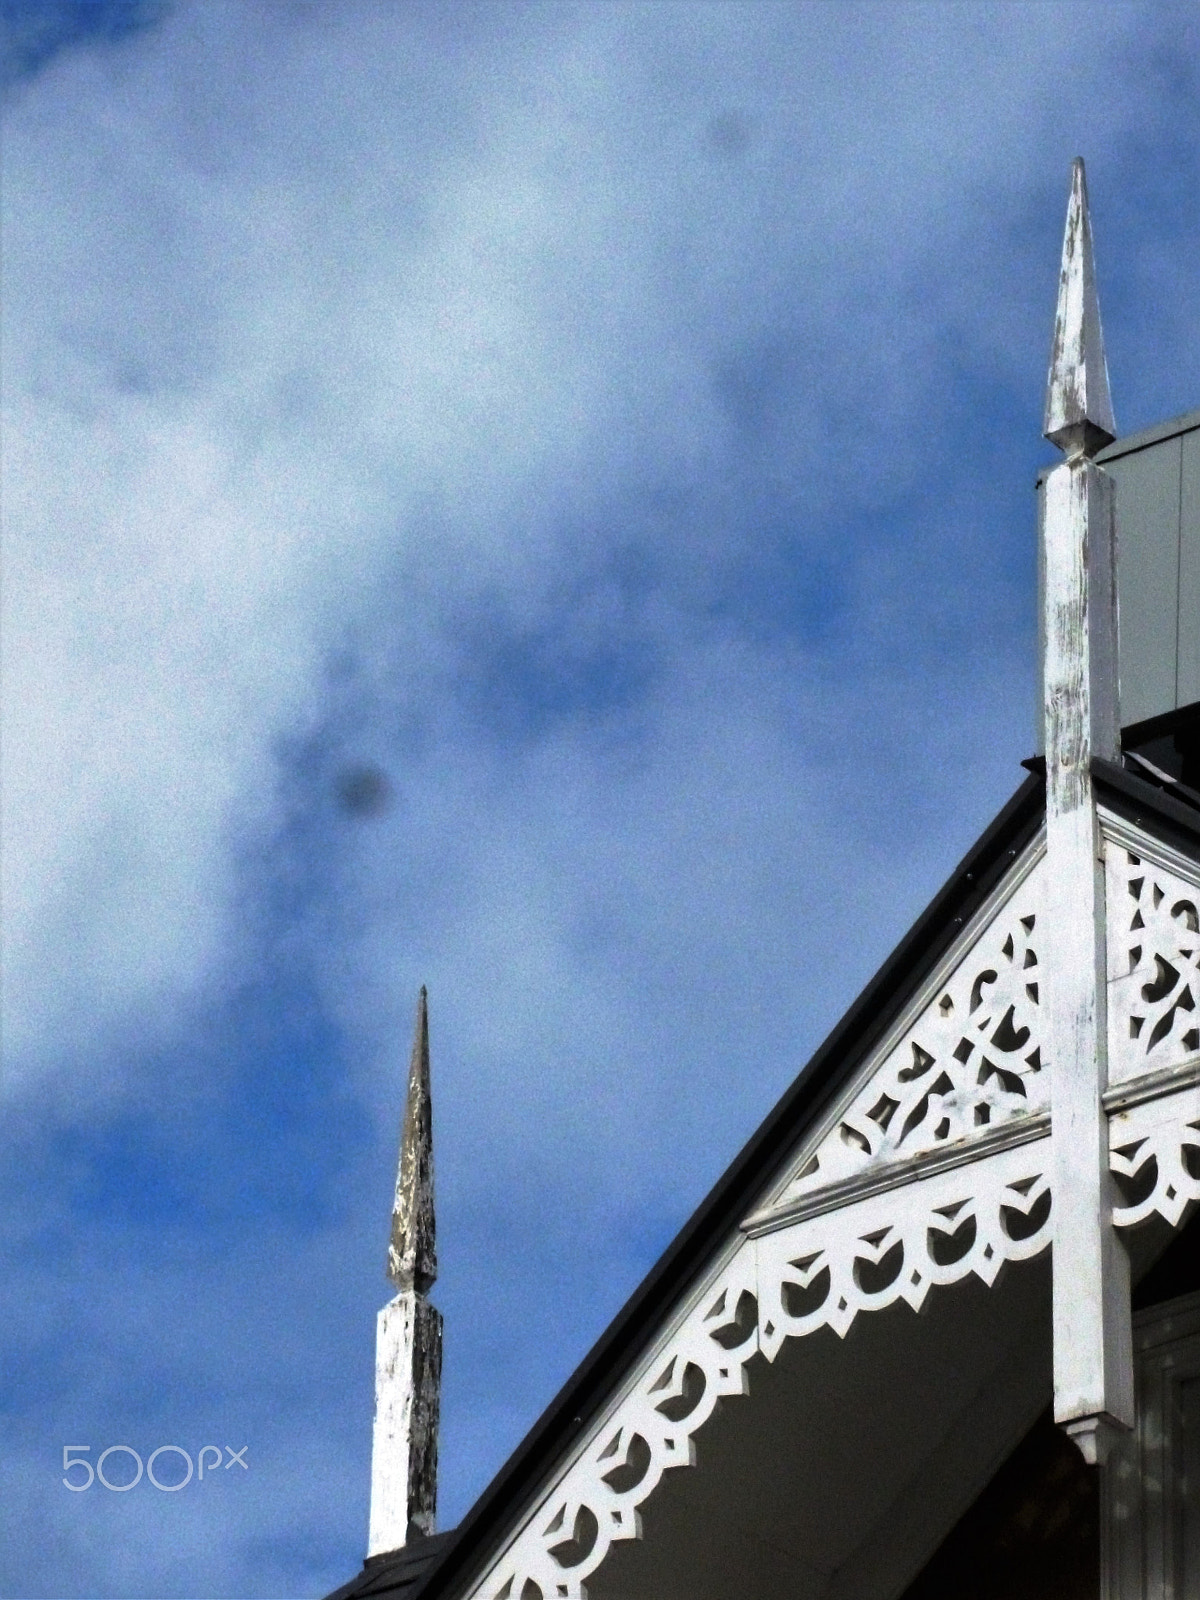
(1034, 1531)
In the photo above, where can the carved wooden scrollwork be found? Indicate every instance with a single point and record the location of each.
(1155, 1158)
(897, 1245)
(821, 1271)
(963, 1087)
(651, 1430)
(970, 1062)
(1153, 965)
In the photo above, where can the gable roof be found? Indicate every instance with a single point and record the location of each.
(446, 1564)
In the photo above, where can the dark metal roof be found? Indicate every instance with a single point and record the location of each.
(1167, 750)
(1149, 805)
(397, 1574)
(444, 1565)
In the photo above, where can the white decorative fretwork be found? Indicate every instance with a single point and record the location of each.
(969, 1062)
(897, 1245)
(595, 1502)
(1155, 1157)
(823, 1270)
(937, 1167)
(1153, 960)
(820, 1271)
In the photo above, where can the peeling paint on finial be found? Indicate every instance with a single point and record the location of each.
(412, 1250)
(1093, 1362)
(408, 1344)
(1079, 414)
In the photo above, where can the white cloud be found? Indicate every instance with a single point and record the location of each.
(281, 285)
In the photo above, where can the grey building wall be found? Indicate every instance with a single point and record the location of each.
(1157, 476)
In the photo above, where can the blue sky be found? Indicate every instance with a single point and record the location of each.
(534, 500)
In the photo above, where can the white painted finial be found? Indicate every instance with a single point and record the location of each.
(1079, 414)
(1093, 1364)
(408, 1349)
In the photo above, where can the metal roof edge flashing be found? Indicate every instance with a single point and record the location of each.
(1136, 799)
(1188, 422)
(1173, 428)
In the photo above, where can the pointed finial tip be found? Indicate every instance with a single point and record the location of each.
(1079, 415)
(412, 1253)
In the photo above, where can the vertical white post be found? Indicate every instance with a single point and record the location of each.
(408, 1364)
(1093, 1362)
(408, 1350)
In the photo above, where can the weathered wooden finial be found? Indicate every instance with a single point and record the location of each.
(412, 1251)
(408, 1341)
(1079, 413)
(1093, 1363)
